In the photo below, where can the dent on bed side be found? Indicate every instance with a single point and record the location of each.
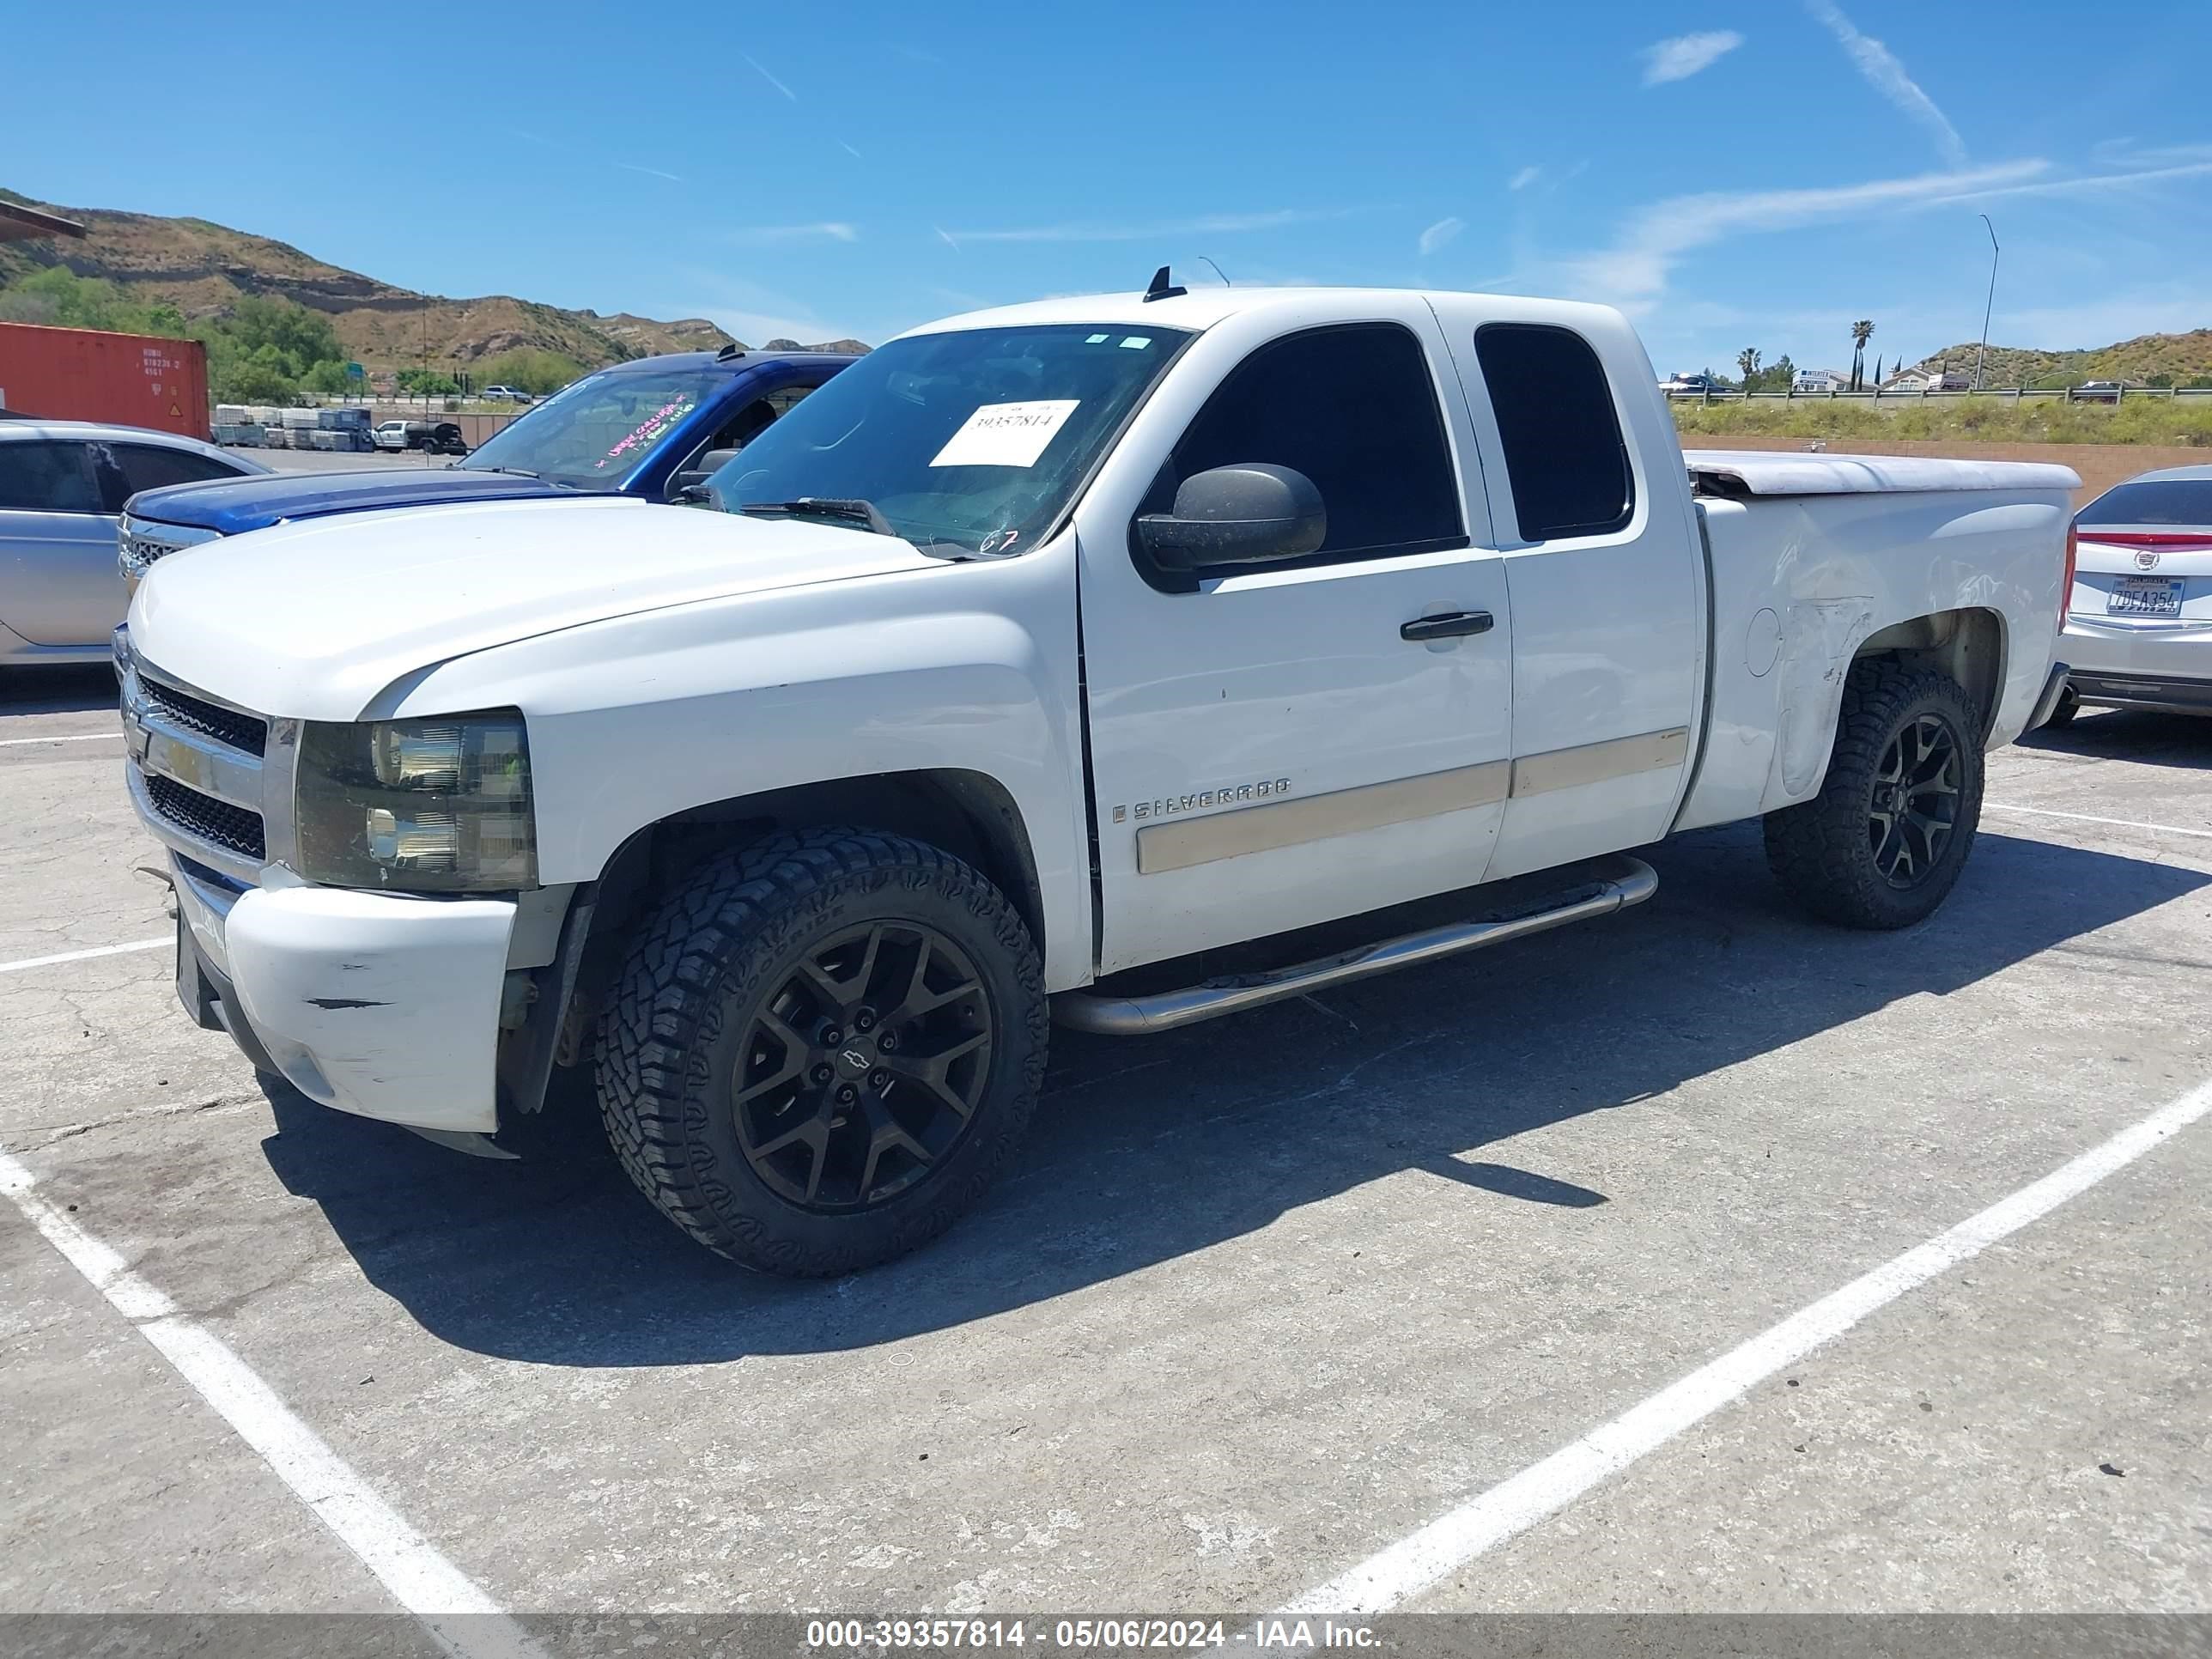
(1819, 640)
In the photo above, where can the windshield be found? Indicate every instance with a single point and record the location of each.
(2153, 501)
(594, 434)
(976, 438)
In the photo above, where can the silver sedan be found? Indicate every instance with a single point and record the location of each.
(2139, 621)
(62, 484)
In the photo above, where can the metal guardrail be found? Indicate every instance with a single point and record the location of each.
(2015, 394)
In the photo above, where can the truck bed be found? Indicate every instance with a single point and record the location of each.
(1811, 556)
(1735, 473)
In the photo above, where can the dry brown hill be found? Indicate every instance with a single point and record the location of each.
(203, 268)
(2166, 359)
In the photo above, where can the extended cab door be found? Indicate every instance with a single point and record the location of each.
(1601, 558)
(1269, 748)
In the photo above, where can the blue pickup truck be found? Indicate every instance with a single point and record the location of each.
(650, 428)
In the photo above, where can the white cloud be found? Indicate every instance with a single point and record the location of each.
(1684, 55)
(2089, 184)
(1878, 65)
(2125, 153)
(1440, 233)
(827, 230)
(1636, 267)
(1523, 179)
(1209, 224)
(771, 80)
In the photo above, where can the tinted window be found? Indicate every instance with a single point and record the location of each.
(1354, 409)
(2154, 501)
(1564, 453)
(146, 467)
(46, 478)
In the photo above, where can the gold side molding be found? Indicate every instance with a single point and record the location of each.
(1186, 842)
(1599, 762)
(1179, 845)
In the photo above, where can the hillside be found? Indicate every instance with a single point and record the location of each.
(2174, 359)
(203, 269)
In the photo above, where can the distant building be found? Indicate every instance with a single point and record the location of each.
(1819, 379)
(1938, 378)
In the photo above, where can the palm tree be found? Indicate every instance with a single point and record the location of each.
(1747, 360)
(1862, 331)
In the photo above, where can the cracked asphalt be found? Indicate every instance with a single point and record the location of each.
(1263, 1296)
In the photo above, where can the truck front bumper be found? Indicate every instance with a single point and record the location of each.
(382, 1006)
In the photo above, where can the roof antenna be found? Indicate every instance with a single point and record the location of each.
(1162, 289)
(1218, 271)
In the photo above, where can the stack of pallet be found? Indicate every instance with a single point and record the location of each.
(238, 427)
(261, 426)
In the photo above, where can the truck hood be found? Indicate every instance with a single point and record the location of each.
(232, 509)
(314, 619)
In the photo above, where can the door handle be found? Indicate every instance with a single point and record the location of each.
(1450, 625)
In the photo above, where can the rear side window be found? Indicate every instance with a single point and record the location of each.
(145, 466)
(1353, 408)
(1564, 451)
(2154, 501)
(46, 478)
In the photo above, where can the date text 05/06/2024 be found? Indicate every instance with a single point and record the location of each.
(1106, 1635)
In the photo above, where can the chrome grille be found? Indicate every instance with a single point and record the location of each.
(231, 827)
(141, 542)
(245, 732)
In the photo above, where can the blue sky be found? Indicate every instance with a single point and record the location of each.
(1733, 173)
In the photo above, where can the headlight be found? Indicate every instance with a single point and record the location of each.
(439, 805)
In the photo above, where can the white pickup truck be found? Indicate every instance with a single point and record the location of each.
(1128, 659)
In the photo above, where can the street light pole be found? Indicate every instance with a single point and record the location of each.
(1989, 303)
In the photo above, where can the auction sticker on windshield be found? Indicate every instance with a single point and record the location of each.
(1007, 435)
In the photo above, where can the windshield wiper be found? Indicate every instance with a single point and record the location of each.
(865, 513)
(512, 472)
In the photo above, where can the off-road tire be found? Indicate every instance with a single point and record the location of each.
(714, 953)
(1822, 851)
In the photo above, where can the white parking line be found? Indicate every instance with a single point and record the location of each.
(458, 1614)
(1395, 1576)
(86, 956)
(82, 737)
(2084, 817)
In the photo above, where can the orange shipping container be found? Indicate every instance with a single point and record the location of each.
(84, 374)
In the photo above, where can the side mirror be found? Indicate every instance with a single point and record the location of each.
(689, 484)
(1253, 513)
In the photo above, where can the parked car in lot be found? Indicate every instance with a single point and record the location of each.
(62, 484)
(1077, 659)
(505, 394)
(650, 428)
(433, 437)
(2139, 620)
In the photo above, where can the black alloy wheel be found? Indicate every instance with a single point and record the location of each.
(864, 1070)
(1915, 801)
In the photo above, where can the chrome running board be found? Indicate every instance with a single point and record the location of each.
(1632, 883)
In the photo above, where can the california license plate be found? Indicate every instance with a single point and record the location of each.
(2144, 596)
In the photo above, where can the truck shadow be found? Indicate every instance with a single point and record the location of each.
(2129, 734)
(1149, 1149)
